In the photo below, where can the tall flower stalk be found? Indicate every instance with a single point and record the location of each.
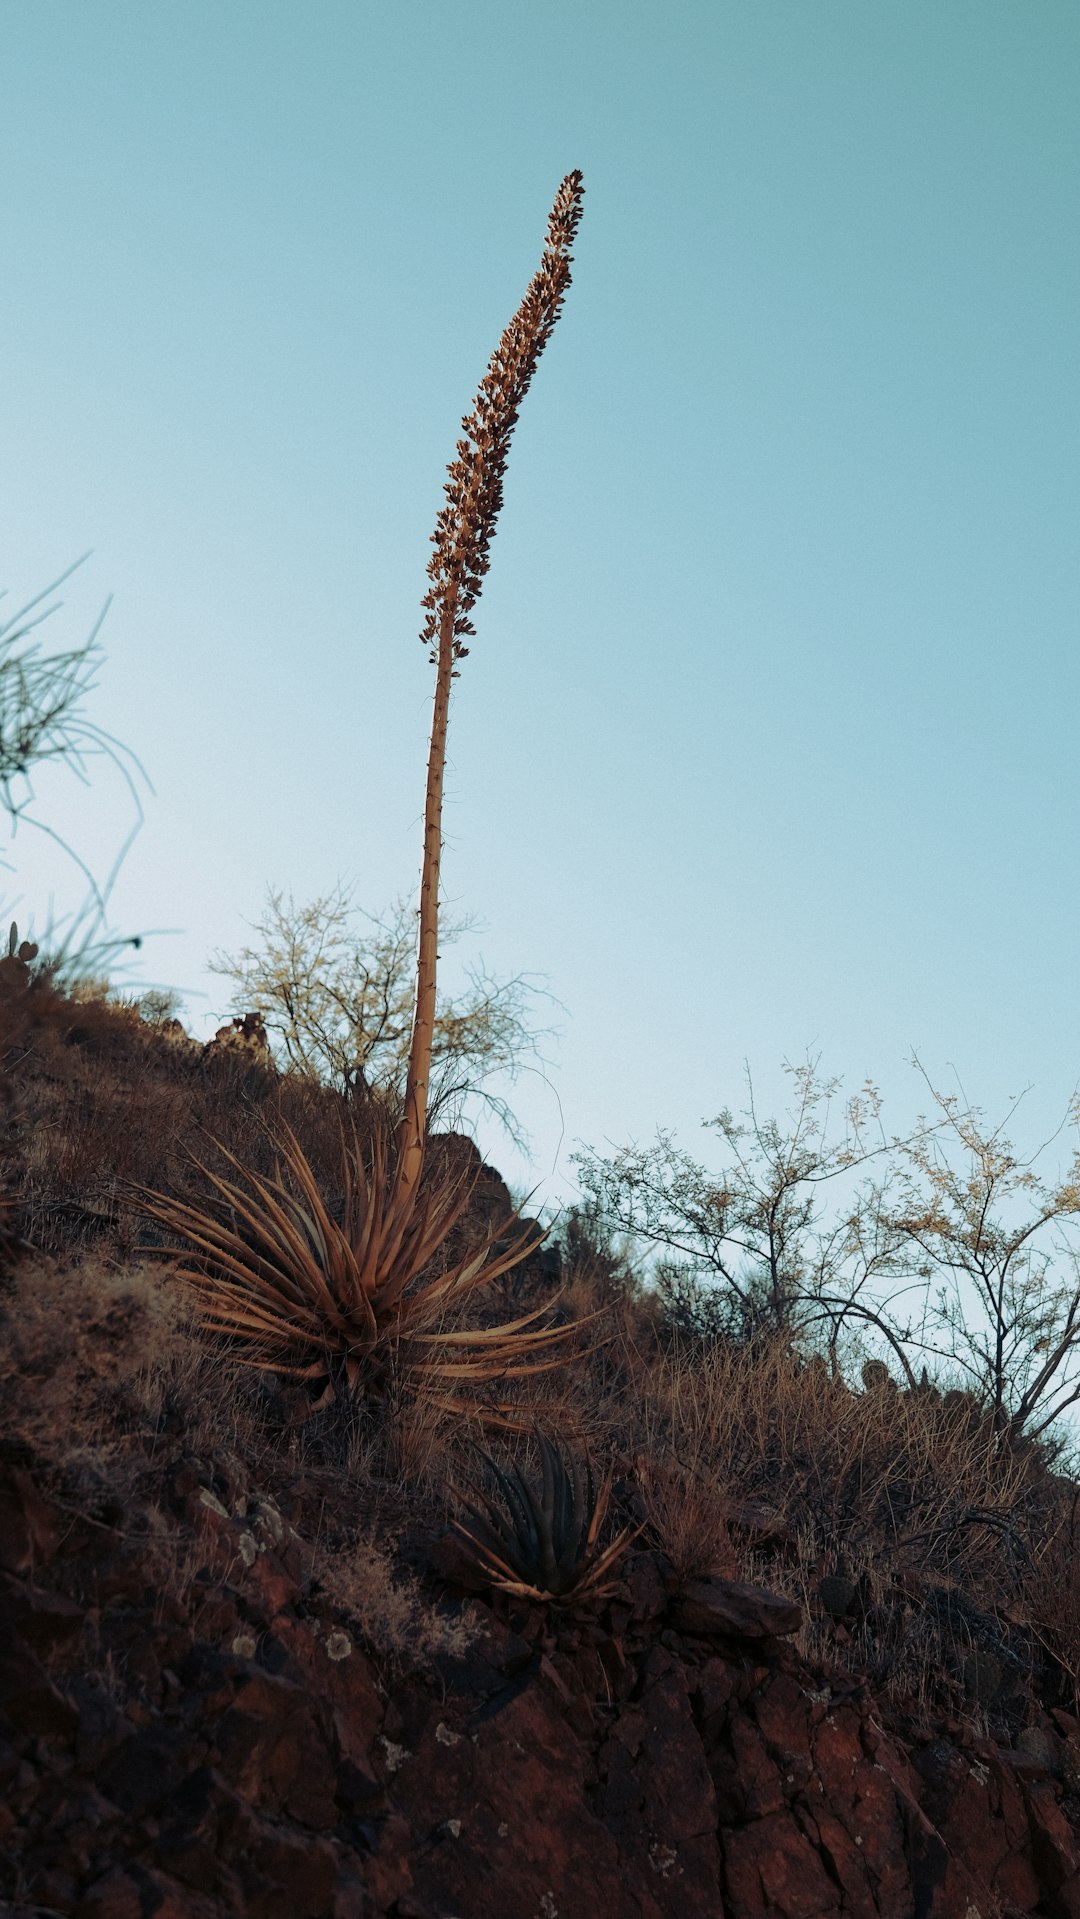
(462, 537)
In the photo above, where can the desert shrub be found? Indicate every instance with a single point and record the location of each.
(43, 718)
(337, 1002)
(593, 1262)
(816, 1231)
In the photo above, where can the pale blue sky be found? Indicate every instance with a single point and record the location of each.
(768, 736)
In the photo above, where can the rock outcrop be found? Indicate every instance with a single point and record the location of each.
(226, 1746)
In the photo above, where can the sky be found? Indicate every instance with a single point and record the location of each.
(766, 744)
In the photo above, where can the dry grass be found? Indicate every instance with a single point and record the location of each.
(1050, 1589)
(393, 1616)
(768, 1426)
(686, 1516)
(88, 1353)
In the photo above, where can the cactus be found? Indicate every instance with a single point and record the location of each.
(15, 963)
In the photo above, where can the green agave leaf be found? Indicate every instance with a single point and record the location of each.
(545, 1535)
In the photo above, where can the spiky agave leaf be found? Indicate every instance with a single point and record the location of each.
(310, 1297)
(543, 1546)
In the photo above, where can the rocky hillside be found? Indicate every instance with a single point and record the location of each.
(233, 1748)
(248, 1665)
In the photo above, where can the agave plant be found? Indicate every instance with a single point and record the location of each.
(543, 1547)
(312, 1298)
(278, 1272)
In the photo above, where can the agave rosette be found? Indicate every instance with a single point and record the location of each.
(543, 1546)
(309, 1297)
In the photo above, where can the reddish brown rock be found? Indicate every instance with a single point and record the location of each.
(648, 1579)
(1055, 1851)
(773, 1871)
(448, 1555)
(114, 1896)
(273, 1746)
(283, 1874)
(29, 1525)
(269, 1586)
(387, 1873)
(28, 1698)
(500, 1822)
(656, 1796)
(357, 1711)
(940, 1883)
(664, 1757)
(865, 1807)
(782, 1712)
(729, 1608)
(759, 1527)
(44, 1620)
(148, 1767)
(130, 1892)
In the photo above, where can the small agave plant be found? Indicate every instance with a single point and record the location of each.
(543, 1546)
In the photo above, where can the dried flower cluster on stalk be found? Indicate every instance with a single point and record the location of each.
(474, 490)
